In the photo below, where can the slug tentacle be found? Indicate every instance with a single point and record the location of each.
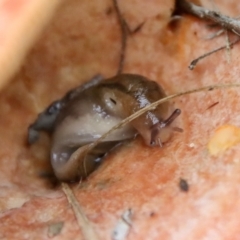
(157, 134)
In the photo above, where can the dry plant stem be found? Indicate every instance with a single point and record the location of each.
(224, 21)
(228, 47)
(155, 104)
(216, 34)
(124, 32)
(195, 61)
(212, 105)
(84, 224)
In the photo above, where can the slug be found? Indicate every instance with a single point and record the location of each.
(83, 115)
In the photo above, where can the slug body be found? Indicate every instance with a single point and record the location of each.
(85, 114)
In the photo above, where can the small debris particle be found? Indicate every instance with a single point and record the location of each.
(138, 28)
(191, 145)
(152, 214)
(183, 184)
(224, 137)
(123, 226)
(212, 105)
(103, 184)
(109, 10)
(54, 229)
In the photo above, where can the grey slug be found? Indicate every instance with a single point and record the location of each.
(87, 112)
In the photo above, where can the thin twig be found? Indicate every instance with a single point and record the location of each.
(124, 32)
(216, 34)
(84, 224)
(195, 61)
(228, 47)
(224, 21)
(212, 105)
(227, 23)
(155, 104)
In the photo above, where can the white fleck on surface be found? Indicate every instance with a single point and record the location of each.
(191, 145)
(123, 226)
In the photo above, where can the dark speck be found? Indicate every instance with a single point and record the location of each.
(109, 11)
(138, 28)
(152, 214)
(173, 24)
(183, 184)
(215, 14)
(212, 105)
(113, 101)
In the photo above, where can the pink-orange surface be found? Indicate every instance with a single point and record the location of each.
(82, 40)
